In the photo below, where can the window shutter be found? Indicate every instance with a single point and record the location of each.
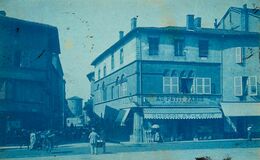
(207, 85)
(239, 55)
(238, 86)
(252, 85)
(174, 85)
(199, 85)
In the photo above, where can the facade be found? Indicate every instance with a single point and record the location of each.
(32, 88)
(172, 77)
(240, 19)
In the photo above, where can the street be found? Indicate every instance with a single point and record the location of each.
(217, 150)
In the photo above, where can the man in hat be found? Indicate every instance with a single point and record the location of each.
(93, 137)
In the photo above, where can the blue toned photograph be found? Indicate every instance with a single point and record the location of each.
(129, 80)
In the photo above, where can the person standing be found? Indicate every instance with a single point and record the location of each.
(249, 132)
(93, 137)
(32, 140)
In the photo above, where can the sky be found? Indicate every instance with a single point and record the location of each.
(88, 27)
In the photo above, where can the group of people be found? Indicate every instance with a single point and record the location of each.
(41, 140)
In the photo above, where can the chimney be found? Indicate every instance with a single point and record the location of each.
(190, 22)
(133, 23)
(2, 13)
(121, 34)
(197, 22)
(216, 23)
(244, 18)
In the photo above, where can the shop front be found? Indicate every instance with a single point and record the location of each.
(240, 116)
(177, 124)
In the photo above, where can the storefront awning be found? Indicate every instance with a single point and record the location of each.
(122, 115)
(182, 113)
(241, 109)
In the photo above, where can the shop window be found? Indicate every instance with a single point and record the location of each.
(170, 84)
(178, 47)
(203, 48)
(252, 85)
(153, 45)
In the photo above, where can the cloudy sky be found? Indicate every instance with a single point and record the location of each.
(88, 27)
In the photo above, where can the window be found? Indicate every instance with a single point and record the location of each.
(99, 74)
(178, 47)
(97, 96)
(123, 88)
(170, 84)
(2, 89)
(112, 61)
(117, 88)
(203, 48)
(104, 92)
(112, 92)
(153, 45)
(239, 57)
(104, 71)
(238, 86)
(203, 85)
(252, 85)
(187, 85)
(121, 56)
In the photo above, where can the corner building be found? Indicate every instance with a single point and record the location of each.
(166, 76)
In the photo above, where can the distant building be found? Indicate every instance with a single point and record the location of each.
(75, 105)
(32, 88)
(175, 78)
(240, 19)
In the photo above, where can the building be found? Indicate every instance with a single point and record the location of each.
(32, 88)
(241, 63)
(75, 105)
(171, 77)
(240, 19)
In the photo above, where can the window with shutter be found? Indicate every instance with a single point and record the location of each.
(238, 89)
(239, 57)
(252, 85)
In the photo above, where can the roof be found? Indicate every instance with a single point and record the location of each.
(254, 12)
(170, 29)
(41, 28)
(75, 98)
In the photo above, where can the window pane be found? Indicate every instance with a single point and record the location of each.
(166, 80)
(207, 90)
(206, 81)
(199, 81)
(175, 89)
(166, 89)
(199, 89)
